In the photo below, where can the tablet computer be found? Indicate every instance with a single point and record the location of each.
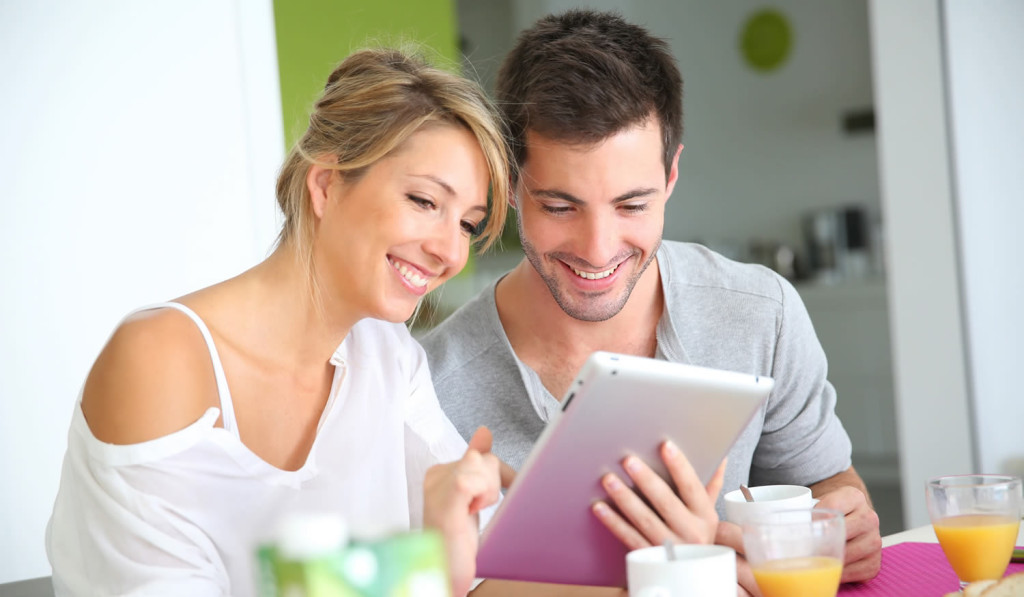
(544, 529)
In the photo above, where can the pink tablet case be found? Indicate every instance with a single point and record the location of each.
(544, 530)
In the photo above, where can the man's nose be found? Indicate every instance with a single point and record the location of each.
(597, 243)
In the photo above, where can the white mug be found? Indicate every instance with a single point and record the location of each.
(767, 498)
(704, 570)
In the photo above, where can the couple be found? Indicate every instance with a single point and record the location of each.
(295, 387)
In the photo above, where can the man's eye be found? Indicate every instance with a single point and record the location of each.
(555, 209)
(635, 207)
(420, 201)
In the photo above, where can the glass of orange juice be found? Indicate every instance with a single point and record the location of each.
(796, 553)
(976, 518)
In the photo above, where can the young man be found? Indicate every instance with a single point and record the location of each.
(594, 106)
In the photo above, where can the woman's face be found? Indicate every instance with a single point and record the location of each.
(403, 228)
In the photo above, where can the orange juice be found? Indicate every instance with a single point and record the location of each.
(978, 546)
(816, 576)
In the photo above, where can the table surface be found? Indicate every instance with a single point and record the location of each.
(502, 588)
(41, 587)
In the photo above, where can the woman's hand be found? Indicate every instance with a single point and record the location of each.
(453, 495)
(685, 514)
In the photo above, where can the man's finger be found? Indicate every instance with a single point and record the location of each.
(863, 547)
(685, 478)
(661, 497)
(619, 527)
(747, 585)
(861, 570)
(862, 522)
(717, 480)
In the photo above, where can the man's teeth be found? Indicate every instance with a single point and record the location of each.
(413, 278)
(592, 276)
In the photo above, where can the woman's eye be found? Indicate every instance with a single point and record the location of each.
(420, 201)
(471, 228)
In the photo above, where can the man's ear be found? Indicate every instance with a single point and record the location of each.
(673, 173)
(318, 181)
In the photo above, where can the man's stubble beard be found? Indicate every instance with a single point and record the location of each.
(576, 311)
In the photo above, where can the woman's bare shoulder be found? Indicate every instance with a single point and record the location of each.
(153, 377)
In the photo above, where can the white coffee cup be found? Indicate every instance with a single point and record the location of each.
(767, 498)
(705, 570)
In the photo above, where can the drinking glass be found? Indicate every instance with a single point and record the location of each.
(796, 553)
(976, 518)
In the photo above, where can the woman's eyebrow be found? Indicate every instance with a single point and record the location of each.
(434, 179)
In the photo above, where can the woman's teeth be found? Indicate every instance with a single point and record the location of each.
(413, 278)
(592, 276)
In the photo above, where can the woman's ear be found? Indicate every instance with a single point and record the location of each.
(318, 181)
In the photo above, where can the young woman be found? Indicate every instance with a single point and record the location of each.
(294, 386)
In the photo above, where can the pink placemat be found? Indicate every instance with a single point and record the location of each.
(912, 570)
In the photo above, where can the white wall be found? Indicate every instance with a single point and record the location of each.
(984, 49)
(139, 148)
(929, 353)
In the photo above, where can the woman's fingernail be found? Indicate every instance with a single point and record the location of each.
(671, 449)
(601, 509)
(612, 483)
(632, 464)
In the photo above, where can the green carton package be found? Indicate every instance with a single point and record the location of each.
(313, 558)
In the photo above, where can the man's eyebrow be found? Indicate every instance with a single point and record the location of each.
(634, 194)
(553, 194)
(563, 196)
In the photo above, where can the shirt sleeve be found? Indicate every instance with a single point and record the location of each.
(107, 536)
(803, 441)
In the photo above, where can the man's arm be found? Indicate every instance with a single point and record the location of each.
(847, 493)
(847, 478)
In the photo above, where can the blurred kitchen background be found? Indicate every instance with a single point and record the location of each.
(780, 167)
(867, 149)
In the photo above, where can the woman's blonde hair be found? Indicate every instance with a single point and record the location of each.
(373, 101)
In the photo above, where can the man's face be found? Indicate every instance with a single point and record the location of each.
(591, 217)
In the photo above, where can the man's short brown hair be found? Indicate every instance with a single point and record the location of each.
(582, 76)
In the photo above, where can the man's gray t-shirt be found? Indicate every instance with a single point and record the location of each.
(718, 313)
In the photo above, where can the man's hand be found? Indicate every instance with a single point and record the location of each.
(863, 540)
(453, 494)
(686, 517)
(731, 535)
(846, 493)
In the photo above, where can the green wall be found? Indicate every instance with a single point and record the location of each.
(313, 36)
